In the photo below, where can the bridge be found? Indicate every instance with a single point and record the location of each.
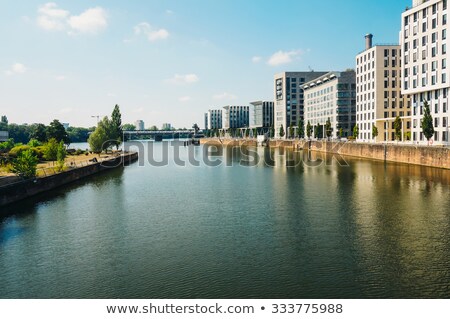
(158, 135)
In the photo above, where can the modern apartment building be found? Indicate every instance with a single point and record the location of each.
(213, 119)
(425, 76)
(139, 125)
(261, 114)
(331, 96)
(379, 99)
(166, 126)
(289, 97)
(235, 117)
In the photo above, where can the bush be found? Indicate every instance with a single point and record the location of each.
(25, 164)
(6, 146)
(34, 143)
(51, 150)
(17, 150)
(39, 152)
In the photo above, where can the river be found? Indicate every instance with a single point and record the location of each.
(274, 226)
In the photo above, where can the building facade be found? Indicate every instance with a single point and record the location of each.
(139, 125)
(235, 117)
(289, 98)
(379, 99)
(425, 78)
(166, 127)
(261, 114)
(331, 96)
(213, 119)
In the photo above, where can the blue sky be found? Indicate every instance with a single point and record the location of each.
(170, 61)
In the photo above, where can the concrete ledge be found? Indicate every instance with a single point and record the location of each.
(24, 189)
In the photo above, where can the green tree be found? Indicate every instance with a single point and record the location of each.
(61, 156)
(57, 131)
(427, 123)
(355, 131)
(301, 128)
(328, 129)
(291, 131)
(341, 132)
(398, 128)
(116, 129)
(374, 131)
(25, 165)
(281, 131)
(98, 140)
(153, 128)
(317, 130)
(34, 143)
(19, 133)
(78, 134)
(38, 132)
(129, 127)
(309, 129)
(4, 123)
(7, 145)
(51, 150)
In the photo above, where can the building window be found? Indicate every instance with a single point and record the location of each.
(433, 24)
(444, 34)
(444, 48)
(444, 78)
(444, 19)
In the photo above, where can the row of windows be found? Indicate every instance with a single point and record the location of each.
(424, 13)
(434, 81)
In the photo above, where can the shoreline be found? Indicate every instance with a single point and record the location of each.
(428, 156)
(23, 189)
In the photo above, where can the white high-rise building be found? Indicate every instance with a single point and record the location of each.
(425, 77)
(289, 98)
(213, 119)
(235, 117)
(379, 99)
(331, 97)
(261, 114)
(139, 125)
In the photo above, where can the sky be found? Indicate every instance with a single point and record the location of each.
(167, 61)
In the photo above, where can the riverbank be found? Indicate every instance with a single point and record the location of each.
(23, 189)
(430, 156)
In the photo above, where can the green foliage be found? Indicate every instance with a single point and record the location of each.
(51, 150)
(281, 131)
(328, 129)
(98, 140)
(291, 131)
(38, 132)
(341, 132)
(57, 131)
(128, 127)
(78, 134)
(374, 131)
(17, 150)
(301, 129)
(116, 133)
(316, 130)
(309, 129)
(34, 143)
(355, 131)
(60, 156)
(427, 122)
(398, 128)
(25, 164)
(19, 133)
(7, 145)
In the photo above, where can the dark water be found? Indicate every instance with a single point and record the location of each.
(366, 230)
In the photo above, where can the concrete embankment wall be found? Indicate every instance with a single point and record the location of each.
(21, 190)
(410, 154)
(431, 156)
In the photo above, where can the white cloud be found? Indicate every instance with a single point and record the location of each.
(168, 11)
(52, 18)
(184, 99)
(183, 79)
(92, 20)
(151, 33)
(256, 59)
(225, 96)
(281, 57)
(60, 77)
(16, 68)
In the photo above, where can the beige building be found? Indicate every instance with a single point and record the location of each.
(331, 97)
(379, 99)
(425, 77)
